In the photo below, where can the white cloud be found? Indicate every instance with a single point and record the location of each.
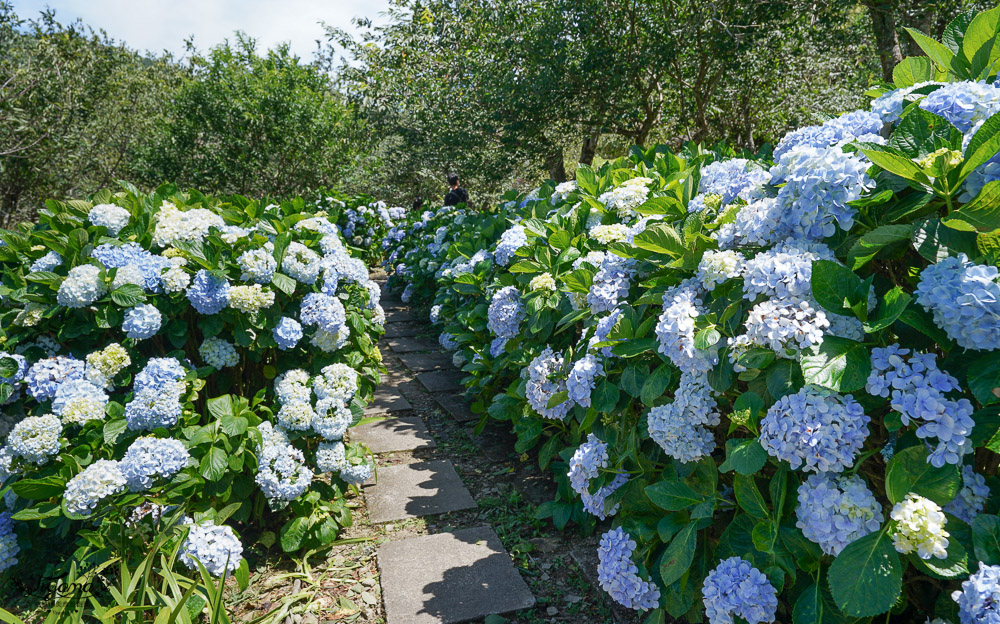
(158, 25)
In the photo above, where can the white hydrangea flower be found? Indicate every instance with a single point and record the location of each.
(920, 527)
(545, 281)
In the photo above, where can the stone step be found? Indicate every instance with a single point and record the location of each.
(411, 345)
(387, 400)
(456, 406)
(420, 362)
(388, 435)
(404, 330)
(441, 381)
(413, 490)
(396, 315)
(449, 578)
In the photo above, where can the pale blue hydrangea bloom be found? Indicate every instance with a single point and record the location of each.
(407, 293)
(675, 330)
(82, 287)
(78, 401)
(142, 321)
(602, 330)
(36, 438)
(338, 381)
(22, 368)
(783, 272)
(838, 130)
(815, 429)
(963, 103)
(611, 284)
(218, 353)
(835, 510)
(112, 217)
(818, 184)
(546, 378)
(619, 576)
(497, 347)
(159, 371)
(786, 326)
(215, 547)
(258, 265)
(971, 498)
(355, 474)
(680, 428)
(333, 417)
(595, 504)
(158, 390)
(979, 599)
(48, 262)
(296, 415)
(324, 311)
(587, 462)
(301, 263)
(293, 385)
(735, 587)
(889, 105)
(8, 542)
(505, 313)
(208, 293)
(964, 299)
(282, 474)
(150, 265)
(448, 342)
(331, 456)
(99, 480)
(733, 178)
(287, 333)
(582, 379)
(917, 389)
(980, 177)
(148, 458)
(758, 223)
(45, 376)
(716, 267)
(435, 314)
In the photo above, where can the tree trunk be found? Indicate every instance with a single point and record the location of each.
(886, 41)
(589, 149)
(554, 163)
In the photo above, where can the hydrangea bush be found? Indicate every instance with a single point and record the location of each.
(183, 356)
(773, 377)
(364, 222)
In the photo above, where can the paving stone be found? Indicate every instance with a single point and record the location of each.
(400, 316)
(419, 362)
(449, 578)
(412, 490)
(392, 304)
(386, 400)
(403, 330)
(456, 406)
(410, 345)
(440, 381)
(393, 434)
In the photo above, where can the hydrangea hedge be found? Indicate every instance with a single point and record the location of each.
(175, 359)
(362, 220)
(777, 376)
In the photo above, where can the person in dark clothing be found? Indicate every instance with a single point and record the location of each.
(456, 195)
(418, 204)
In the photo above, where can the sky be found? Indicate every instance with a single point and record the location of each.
(158, 25)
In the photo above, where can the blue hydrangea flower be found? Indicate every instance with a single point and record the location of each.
(584, 466)
(602, 330)
(282, 474)
(48, 262)
(735, 587)
(889, 105)
(208, 293)
(581, 380)
(971, 498)
(355, 474)
(22, 368)
(142, 321)
(963, 103)
(758, 223)
(619, 575)
(150, 408)
(150, 265)
(815, 429)
(818, 184)
(847, 127)
(448, 342)
(675, 329)
(506, 313)
(99, 480)
(680, 428)
(546, 379)
(964, 299)
(113, 217)
(833, 511)
(287, 333)
(45, 376)
(784, 271)
(159, 372)
(497, 347)
(510, 241)
(258, 265)
(917, 389)
(82, 287)
(215, 547)
(611, 284)
(79, 401)
(36, 438)
(786, 326)
(301, 263)
(595, 504)
(148, 458)
(324, 311)
(733, 178)
(333, 418)
(979, 599)
(8, 542)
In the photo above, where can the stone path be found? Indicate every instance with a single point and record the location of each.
(449, 577)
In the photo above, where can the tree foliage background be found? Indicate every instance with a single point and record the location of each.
(504, 93)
